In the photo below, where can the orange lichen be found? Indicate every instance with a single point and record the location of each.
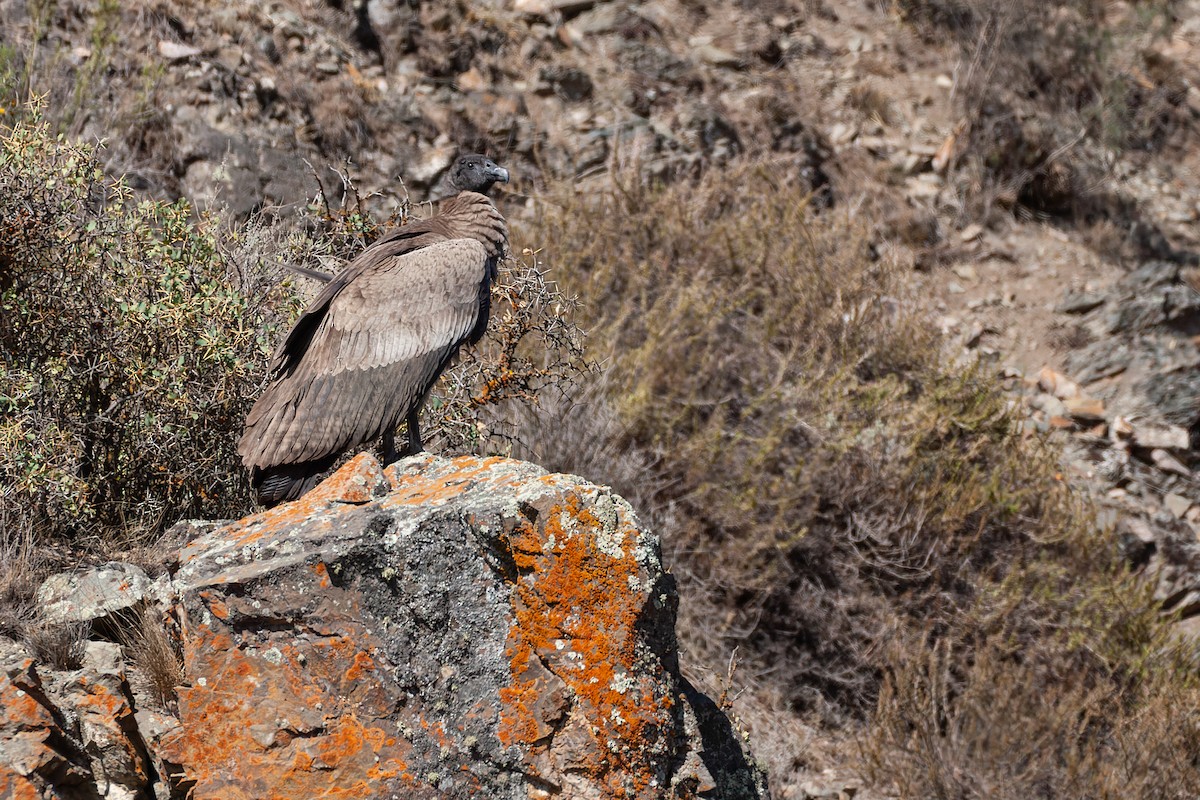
(362, 663)
(354, 482)
(101, 700)
(347, 737)
(392, 768)
(573, 592)
(19, 708)
(16, 787)
(341, 754)
(216, 605)
(439, 484)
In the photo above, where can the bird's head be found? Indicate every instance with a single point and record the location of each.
(476, 173)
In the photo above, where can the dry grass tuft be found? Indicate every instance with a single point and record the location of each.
(21, 572)
(59, 645)
(155, 653)
(1008, 717)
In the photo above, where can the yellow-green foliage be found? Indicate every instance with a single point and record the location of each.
(859, 517)
(132, 338)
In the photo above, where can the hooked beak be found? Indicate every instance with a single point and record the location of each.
(497, 173)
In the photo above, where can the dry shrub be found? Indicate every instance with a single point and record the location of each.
(824, 483)
(824, 472)
(859, 519)
(533, 354)
(1049, 91)
(1065, 697)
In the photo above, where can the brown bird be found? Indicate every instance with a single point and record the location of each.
(365, 353)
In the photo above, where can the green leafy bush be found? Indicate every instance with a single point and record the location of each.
(132, 337)
(135, 335)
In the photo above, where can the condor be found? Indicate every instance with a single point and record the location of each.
(365, 353)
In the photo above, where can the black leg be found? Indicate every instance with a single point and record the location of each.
(412, 422)
(389, 447)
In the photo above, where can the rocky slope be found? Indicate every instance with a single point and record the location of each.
(442, 628)
(261, 108)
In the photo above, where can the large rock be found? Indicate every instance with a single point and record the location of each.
(442, 628)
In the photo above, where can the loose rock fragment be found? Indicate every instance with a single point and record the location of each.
(1085, 408)
(92, 595)
(1079, 302)
(1164, 437)
(1177, 504)
(175, 51)
(1169, 463)
(1057, 384)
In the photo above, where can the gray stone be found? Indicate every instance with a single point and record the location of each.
(604, 18)
(1048, 404)
(1169, 463)
(1174, 395)
(1176, 504)
(1165, 437)
(1101, 359)
(484, 629)
(93, 595)
(103, 658)
(569, 83)
(1150, 275)
(1080, 302)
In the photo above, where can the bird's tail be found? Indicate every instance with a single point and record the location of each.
(279, 484)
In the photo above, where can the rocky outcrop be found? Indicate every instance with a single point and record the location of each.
(442, 628)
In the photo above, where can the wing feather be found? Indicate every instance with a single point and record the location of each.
(366, 351)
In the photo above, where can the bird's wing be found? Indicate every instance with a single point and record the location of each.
(378, 257)
(375, 346)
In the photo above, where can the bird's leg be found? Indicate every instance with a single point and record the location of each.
(389, 447)
(414, 432)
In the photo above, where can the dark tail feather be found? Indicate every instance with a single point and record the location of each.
(274, 485)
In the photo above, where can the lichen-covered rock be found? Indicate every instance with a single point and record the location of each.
(69, 734)
(484, 629)
(92, 595)
(440, 629)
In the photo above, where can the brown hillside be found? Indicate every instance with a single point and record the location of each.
(823, 253)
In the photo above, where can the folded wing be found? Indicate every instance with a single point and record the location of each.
(366, 352)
